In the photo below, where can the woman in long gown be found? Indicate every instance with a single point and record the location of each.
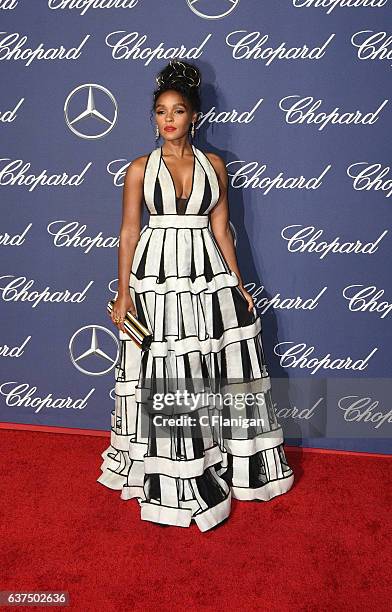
(184, 460)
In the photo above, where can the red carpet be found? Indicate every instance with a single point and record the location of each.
(324, 545)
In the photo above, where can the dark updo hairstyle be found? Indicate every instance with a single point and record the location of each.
(182, 77)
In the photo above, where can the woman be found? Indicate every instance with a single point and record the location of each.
(181, 460)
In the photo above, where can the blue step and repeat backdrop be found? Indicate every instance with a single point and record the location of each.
(296, 99)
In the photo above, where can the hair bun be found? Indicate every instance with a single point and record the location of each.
(179, 72)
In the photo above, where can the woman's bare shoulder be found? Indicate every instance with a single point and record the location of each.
(218, 162)
(137, 166)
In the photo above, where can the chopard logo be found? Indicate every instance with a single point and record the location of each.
(130, 47)
(357, 409)
(306, 240)
(71, 234)
(249, 46)
(23, 395)
(304, 110)
(93, 345)
(371, 177)
(81, 103)
(12, 48)
(218, 10)
(279, 302)
(85, 5)
(367, 299)
(375, 46)
(249, 175)
(331, 5)
(299, 356)
(17, 290)
(15, 173)
(231, 116)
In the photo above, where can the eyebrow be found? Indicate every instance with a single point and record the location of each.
(176, 104)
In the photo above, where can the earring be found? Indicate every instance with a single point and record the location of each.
(193, 130)
(156, 132)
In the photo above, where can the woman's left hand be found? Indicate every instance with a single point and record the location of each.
(248, 298)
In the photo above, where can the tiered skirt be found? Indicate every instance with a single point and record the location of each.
(182, 461)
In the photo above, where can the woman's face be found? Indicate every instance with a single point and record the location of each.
(173, 110)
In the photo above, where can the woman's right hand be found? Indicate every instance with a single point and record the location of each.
(120, 307)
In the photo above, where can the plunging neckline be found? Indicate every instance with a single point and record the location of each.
(172, 180)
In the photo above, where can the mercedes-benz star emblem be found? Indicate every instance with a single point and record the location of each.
(220, 8)
(80, 109)
(93, 344)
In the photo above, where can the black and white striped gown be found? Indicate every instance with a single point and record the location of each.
(203, 333)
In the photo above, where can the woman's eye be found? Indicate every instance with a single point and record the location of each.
(177, 111)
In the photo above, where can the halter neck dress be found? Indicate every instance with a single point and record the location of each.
(204, 338)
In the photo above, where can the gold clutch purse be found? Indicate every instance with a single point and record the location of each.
(140, 334)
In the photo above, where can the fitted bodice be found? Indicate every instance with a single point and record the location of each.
(160, 192)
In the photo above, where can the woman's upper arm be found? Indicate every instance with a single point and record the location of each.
(219, 215)
(132, 203)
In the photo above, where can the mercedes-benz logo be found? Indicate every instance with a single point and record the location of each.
(80, 109)
(93, 344)
(220, 8)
